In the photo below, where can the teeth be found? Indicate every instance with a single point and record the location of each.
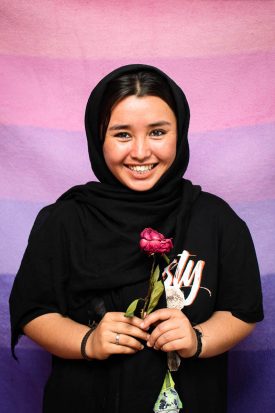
(141, 168)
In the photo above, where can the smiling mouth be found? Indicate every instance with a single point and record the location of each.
(141, 168)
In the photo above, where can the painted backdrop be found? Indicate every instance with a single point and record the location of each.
(222, 53)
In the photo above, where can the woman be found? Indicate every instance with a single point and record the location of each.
(83, 265)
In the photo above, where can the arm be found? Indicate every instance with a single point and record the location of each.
(220, 332)
(62, 336)
(59, 335)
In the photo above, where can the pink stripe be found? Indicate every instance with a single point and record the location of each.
(223, 91)
(157, 28)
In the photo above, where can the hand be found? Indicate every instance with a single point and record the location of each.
(172, 333)
(102, 342)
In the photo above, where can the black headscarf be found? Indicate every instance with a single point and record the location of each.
(96, 228)
(122, 213)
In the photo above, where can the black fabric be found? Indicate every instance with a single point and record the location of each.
(83, 250)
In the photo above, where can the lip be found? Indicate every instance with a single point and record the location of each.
(141, 164)
(141, 175)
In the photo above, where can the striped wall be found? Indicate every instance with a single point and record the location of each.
(222, 53)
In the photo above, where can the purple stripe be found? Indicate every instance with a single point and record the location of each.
(17, 220)
(6, 282)
(39, 164)
(260, 217)
(261, 339)
(237, 164)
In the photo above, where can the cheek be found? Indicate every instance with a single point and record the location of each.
(112, 153)
(167, 152)
(107, 153)
(171, 159)
(173, 149)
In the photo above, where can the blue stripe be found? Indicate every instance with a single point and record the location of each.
(251, 382)
(22, 383)
(251, 364)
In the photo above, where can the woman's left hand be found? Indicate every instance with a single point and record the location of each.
(173, 332)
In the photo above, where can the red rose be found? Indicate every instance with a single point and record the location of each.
(153, 241)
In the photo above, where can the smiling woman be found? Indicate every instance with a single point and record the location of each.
(140, 142)
(83, 266)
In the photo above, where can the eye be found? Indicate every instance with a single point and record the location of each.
(158, 132)
(123, 135)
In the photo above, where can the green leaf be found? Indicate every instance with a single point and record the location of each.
(155, 296)
(155, 276)
(166, 258)
(130, 312)
(168, 381)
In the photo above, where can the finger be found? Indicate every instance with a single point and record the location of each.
(161, 329)
(158, 315)
(116, 349)
(119, 316)
(122, 340)
(129, 330)
(174, 345)
(168, 337)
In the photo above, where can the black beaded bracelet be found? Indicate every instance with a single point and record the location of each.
(84, 342)
(199, 344)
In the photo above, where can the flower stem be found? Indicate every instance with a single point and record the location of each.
(147, 298)
(166, 258)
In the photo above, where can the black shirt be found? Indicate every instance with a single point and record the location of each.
(219, 272)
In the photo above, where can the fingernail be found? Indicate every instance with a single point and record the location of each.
(148, 344)
(156, 348)
(141, 347)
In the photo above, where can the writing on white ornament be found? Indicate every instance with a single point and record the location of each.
(186, 274)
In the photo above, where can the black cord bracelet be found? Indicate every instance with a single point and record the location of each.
(199, 344)
(84, 342)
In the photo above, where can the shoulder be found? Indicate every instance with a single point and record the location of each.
(212, 207)
(58, 215)
(217, 225)
(212, 215)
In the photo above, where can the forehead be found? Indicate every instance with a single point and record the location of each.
(145, 108)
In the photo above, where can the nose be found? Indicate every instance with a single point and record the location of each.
(141, 149)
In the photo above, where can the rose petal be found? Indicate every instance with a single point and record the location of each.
(153, 241)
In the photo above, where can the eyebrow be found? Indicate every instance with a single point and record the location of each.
(151, 125)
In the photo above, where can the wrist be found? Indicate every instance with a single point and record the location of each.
(89, 347)
(86, 346)
(199, 344)
(190, 351)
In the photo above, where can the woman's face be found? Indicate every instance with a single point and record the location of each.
(140, 141)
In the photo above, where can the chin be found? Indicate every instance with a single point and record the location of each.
(144, 186)
(142, 189)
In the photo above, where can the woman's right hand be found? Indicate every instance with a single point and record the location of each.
(102, 342)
